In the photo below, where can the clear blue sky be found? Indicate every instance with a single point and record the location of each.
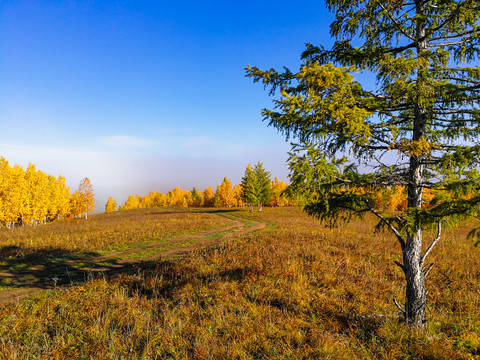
(142, 96)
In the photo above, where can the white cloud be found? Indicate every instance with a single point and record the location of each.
(125, 142)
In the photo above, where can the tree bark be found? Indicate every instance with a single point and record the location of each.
(415, 297)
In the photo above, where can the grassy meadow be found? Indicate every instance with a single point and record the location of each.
(294, 290)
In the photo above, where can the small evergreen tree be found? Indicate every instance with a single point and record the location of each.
(248, 187)
(263, 183)
(256, 185)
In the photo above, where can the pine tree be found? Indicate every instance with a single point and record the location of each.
(263, 180)
(422, 111)
(248, 188)
(256, 186)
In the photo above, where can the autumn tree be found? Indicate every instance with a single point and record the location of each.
(237, 195)
(111, 205)
(178, 197)
(197, 198)
(86, 196)
(160, 199)
(8, 195)
(208, 197)
(76, 206)
(132, 202)
(29, 197)
(38, 196)
(421, 110)
(62, 196)
(224, 193)
(18, 197)
(278, 189)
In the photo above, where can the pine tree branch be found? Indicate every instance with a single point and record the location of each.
(428, 269)
(452, 36)
(389, 224)
(452, 43)
(397, 24)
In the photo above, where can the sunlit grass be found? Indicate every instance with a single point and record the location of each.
(110, 232)
(295, 290)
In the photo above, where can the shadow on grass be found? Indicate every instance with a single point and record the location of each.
(47, 268)
(173, 278)
(162, 278)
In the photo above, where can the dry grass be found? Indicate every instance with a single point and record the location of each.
(108, 232)
(293, 291)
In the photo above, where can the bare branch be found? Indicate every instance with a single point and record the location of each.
(445, 44)
(470, 32)
(399, 27)
(389, 224)
(428, 269)
(398, 305)
(439, 234)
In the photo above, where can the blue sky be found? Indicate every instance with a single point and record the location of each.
(142, 96)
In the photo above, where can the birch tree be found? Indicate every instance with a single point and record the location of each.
(87, 197)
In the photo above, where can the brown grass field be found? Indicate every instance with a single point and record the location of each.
(293, 290)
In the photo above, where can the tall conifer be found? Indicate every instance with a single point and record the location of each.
(415, 124)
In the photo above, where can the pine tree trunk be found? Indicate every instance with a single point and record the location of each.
(415, 297)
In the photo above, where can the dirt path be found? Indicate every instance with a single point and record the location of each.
(74, 271)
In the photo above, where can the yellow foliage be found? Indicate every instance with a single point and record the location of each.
(30, 196)
(111, 205)
(224, 194)
(278, 187)
(208, 197)
(415, 147)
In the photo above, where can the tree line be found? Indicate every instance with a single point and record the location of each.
(30, 196)
(256, 189)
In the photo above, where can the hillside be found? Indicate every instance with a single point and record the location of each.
(292, 290)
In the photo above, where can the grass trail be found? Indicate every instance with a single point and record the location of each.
(21, 276)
